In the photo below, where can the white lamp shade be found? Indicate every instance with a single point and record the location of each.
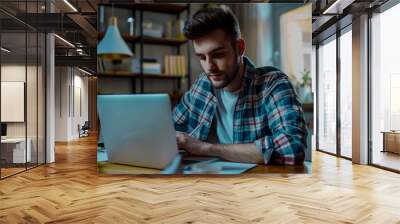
(112, 46)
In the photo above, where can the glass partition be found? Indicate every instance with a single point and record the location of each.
(385, 89)
(31, 99)
(346, 93)
(41, 91)
(15, 150)
(22, 89)
(327, 96)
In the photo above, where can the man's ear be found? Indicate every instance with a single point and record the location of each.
(241, 45)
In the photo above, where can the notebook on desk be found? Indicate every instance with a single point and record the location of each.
(218, 167)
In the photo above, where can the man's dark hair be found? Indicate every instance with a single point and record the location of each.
(208, 20)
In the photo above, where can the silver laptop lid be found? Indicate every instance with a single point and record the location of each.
(138, 129)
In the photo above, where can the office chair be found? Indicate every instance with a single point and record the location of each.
(84, 130)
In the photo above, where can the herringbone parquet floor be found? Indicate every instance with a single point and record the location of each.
(70, 191)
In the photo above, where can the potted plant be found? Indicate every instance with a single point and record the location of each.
(303, 88)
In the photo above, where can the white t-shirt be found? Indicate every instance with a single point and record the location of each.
(226, 102)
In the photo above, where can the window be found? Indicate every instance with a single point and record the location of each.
(327, 96)
(346, 93)
(385, 88)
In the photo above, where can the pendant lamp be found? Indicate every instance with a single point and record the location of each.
(112, 46)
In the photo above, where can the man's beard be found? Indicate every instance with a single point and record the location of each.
(228, 77)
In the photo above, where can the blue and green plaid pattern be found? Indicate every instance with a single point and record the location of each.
(267, 113)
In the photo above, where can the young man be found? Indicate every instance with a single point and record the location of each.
(234, 110)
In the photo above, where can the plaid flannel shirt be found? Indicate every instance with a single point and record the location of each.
(267, 113)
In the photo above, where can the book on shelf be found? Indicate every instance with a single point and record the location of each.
(131, 65)
(152, 33)
(151, 29)
(179, 25)
(168, 30)
(174, 29)
(150, 66)
(175, 65)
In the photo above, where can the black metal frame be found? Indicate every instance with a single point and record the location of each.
(369, 78)
(141, 44)
(141, 49)
(44, 80)
(338, 98)
(316, 96)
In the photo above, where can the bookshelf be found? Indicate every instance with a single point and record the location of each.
(148, 7)
(138, 41)
(150, 40)
(136, 75)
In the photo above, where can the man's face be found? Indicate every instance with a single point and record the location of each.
(218, 58)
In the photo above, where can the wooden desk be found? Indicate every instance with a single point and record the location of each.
(262, 169)
(105, 167)
(13, 150)
(391, 141)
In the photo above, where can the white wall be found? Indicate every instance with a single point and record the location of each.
(33, 127)
(12, 73)
(360, 90)
(70, 83)
(79, 117)
(62, 81)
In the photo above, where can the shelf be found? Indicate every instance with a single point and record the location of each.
(164, 8)
(150, 40)
(117, 75)
(162, 41)
(151, 7)
(136, 75)
(152, 76)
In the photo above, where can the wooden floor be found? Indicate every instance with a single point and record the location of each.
(71, 191)
(10, 171)
(386, 159)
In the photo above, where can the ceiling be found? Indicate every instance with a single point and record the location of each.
(79, 27)
(329, 15)
(76, 24)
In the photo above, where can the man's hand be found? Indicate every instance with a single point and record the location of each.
(246, 153)
(192, 145)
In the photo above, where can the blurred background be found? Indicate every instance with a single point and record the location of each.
(276, 34)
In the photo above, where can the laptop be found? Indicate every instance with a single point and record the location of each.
(138, 130)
